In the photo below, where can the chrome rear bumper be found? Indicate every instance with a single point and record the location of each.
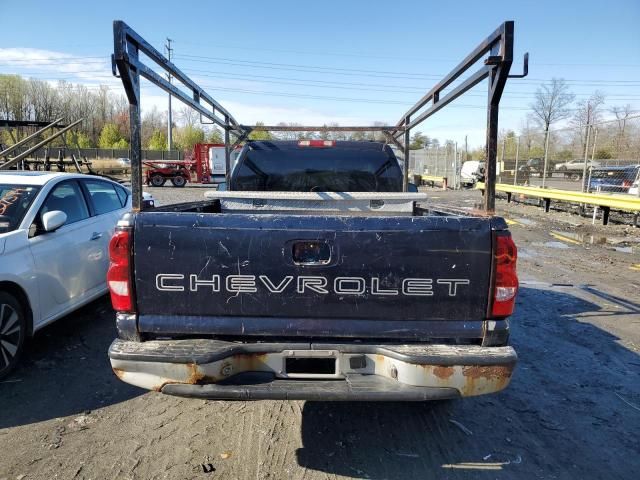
(312, 371)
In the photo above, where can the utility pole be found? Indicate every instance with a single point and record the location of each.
(515, 174)
(586, 157)
(546, 156)
(466, 150)
(455, 166)
(168, 49)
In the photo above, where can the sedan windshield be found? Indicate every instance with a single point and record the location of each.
(14, 202)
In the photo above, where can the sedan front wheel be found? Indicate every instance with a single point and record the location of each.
(12, 332)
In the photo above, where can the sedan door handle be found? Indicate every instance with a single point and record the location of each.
(96, 236)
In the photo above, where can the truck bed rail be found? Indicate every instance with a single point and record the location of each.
(314, 203)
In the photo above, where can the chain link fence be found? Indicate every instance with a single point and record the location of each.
(601, 157)
(437, 161)
(99, 153)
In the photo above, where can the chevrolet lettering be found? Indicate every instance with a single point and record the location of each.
(424, 287)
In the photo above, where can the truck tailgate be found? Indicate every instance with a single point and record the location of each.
(199, 266)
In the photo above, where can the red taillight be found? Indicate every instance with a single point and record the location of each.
(506, 278)
(118, 278)
(626, 183)
(317, 143)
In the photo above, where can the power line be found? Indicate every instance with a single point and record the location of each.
(344, 71)
(341, 85)
(52, 60)
(320, 97)
(392, 57)
(306, 69)
(324, 70)
(357, 85)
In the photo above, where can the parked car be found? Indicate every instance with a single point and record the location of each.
(575, 165)
(148, 200)
(471, 172)
(635, 185)
(613, 179)
(573, 169)
(54, 235)
(125, 162)
(536, 166)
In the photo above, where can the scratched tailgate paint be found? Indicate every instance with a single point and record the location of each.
(380, 268)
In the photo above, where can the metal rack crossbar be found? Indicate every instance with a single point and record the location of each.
(128, 65)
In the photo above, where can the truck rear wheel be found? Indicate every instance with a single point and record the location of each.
(13, 330)
(157, 180)
(179, 181)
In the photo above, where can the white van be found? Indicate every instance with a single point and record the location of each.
(217, 163)
(471, 172)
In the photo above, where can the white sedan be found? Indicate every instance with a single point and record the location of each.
(54, 236)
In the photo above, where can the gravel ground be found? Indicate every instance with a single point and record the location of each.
(167, 195)
(571, 411)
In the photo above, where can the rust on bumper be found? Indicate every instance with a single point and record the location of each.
(463, 370)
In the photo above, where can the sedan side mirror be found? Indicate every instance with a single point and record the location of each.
(53, 220)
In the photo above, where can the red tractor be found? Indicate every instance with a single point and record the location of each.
(158, 173)
(203, 165)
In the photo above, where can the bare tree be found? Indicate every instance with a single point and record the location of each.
(332, 135)
(188, 116)
(44, 99)
(152, 121)
(622, 114)
(527, 135)
(588, 113)
(551, 104)
(292, 135)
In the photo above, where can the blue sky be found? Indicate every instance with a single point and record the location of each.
(350, 61)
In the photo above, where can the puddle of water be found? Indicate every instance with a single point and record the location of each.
(525, 221)
(526, 253)
(558, 245)
(582, 237)
(625, 249)
(624, 245)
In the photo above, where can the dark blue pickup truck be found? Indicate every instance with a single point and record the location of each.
(613, 179)
(313, 276)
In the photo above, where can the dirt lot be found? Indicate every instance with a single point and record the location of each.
(572, 410)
